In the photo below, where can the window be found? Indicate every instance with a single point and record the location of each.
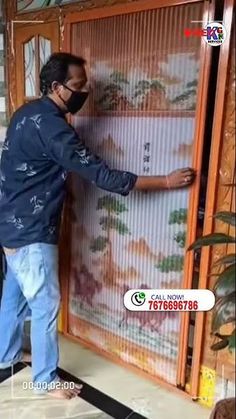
(36, 52)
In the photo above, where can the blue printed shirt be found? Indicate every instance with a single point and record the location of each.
(40, 149)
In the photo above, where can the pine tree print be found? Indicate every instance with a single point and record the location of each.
(175, 263)
(109, 223)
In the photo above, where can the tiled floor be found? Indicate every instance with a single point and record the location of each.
(147, 399)
(16, 402)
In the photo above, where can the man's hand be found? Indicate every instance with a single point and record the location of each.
(180, 178)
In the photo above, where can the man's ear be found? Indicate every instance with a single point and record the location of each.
(56, 87)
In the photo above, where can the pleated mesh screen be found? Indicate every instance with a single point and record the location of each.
(140, 117)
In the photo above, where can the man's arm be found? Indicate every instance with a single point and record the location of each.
(177, 179)
(62, 144)
(151, 183)
(64, 147)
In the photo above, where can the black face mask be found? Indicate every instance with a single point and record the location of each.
(76, 100)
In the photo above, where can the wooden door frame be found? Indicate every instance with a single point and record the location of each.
(211, 198)
(123, 9)
(28, 31)
(14, 73)
(199, 135)
(96, 7)
(197, 154)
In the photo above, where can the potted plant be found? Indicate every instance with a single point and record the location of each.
(224, 310)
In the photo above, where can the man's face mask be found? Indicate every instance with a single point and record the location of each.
(76, 100)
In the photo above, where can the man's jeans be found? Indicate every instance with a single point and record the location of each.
(31, 282)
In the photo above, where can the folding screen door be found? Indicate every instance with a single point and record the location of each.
(143, 115)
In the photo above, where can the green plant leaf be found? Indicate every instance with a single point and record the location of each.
(225, 284)
(113, 223)
(232, 341)
(180, 238)
(227, 217)
(99, 244)
(224, 312)
(212, 239)
(173, 263)
(111, 204)
(112, 88)
(225, 260)
(193, 83)
(178, 216)
(118, 77)
(121, 228)
(143, 85)
(219, 335)
(218, 346)
(156, 84)
(184, 96)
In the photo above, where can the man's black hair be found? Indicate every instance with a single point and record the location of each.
(56, 69)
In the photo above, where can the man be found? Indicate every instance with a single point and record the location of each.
(39, 150)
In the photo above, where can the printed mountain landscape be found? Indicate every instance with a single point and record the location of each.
(134, 89)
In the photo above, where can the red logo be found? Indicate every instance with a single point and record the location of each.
(197, 32)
